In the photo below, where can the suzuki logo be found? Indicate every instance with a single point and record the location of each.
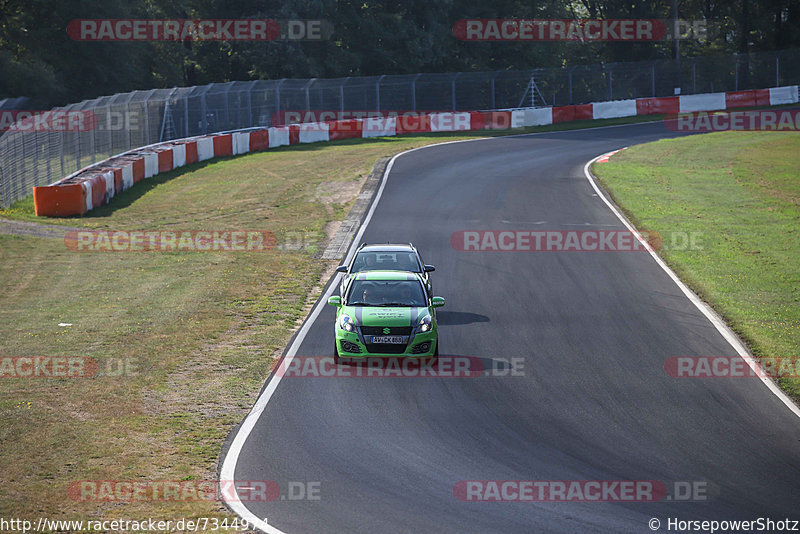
(387, 330)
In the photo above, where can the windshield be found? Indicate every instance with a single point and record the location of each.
(391, 261)
(386, 293)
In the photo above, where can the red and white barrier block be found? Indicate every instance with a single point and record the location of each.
(99, 183)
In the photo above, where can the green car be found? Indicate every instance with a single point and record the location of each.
(386, 314)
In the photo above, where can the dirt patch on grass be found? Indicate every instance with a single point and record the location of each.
(339, 191)
(34, 229)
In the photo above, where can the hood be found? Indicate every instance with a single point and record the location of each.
(389, 316)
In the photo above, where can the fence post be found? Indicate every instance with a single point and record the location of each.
(653, 79)
(308, 96)
(453, 89)
(494, 103)
(147, 120)
(203, 120)
(414, 92)
(36, 159)
(227, 109)
(378, 91)
(186, 115)
(95, 144)
(341, 95)
(61, 138)
(250, 121)
(92, 147)
(77, 152)
(278, 99)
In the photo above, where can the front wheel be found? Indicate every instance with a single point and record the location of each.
(436, 351)
(336, 358)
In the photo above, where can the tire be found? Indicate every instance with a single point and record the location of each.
(336, 358)
(436, 351)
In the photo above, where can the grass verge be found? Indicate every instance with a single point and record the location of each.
(738, 195)
(184, 340)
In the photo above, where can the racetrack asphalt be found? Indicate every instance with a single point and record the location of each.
(594, 330)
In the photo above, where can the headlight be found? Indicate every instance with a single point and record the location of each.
(425, 324)
(346, 323)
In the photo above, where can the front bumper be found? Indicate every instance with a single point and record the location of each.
(353, 345)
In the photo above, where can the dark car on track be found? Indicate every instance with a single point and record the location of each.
(385, 257)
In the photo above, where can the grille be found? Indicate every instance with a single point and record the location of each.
(378, 330)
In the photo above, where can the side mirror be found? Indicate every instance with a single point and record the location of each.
(335, 301)
(436, 302)
(341, 269)
(429, 268)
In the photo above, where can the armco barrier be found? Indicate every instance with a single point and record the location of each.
(205, 148)
(521, 118)
(259, 140)
(99, 183)
(450, 122)
(614, 109)
(703, 102)
(165, 159)
(378, 126)
(278, 136)
(344, 129)
(313, 132)
(241, 143)
(223, 145)
(412, 123)
(657, 106)
(150, 164)
(783, 95)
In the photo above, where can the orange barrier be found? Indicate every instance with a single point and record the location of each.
(742, 99)
(191, 152)
(259, 140)
(223, 145)
(344, 129)
(563, 114)
(658, 106)
(294, 134)
(138, 170)
(59, 200)
(165, 160)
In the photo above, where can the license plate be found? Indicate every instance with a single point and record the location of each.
(393, 340)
